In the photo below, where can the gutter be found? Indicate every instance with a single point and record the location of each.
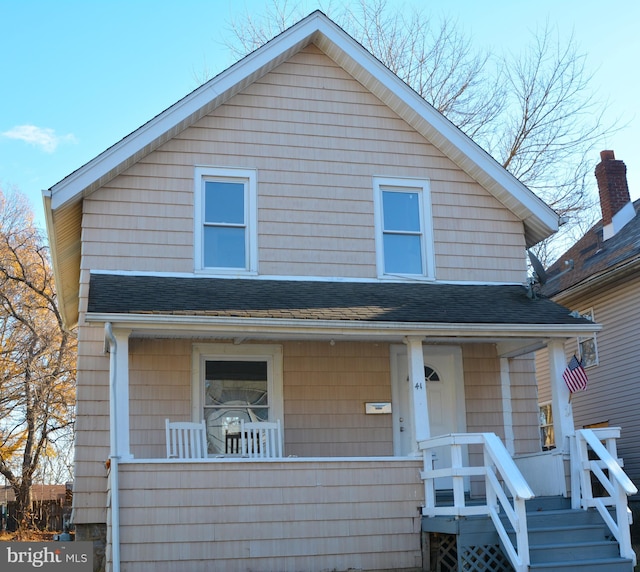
(114, 457)
(365, 329)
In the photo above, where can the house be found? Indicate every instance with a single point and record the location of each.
(303, 239)
(599, 277)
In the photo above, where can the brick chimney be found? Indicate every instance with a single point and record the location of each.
(611, 175)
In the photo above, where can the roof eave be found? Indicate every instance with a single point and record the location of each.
(539, 219)
(180, 115)
(233, 327)
(599, 280)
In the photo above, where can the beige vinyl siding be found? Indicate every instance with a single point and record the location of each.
(325, 390)
(271, 516)
(316, 138)
(160, 388)
(483, 390)
(543, 376)
(524, 405)
(92, 427)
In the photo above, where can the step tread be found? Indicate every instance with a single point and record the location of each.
(575, 563)
(554, 545)
(566, 526)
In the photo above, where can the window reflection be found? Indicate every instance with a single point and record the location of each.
(234, 391)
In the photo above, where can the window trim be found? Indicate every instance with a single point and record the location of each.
(402, 184)
(271, 353)
(249, 178)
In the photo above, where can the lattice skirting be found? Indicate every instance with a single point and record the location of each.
(447, 556)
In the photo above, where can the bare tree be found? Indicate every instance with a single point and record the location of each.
(37, 354)
(534, 112)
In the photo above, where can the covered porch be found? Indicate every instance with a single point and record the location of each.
(357, 399)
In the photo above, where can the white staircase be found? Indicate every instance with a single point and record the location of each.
(509, 530)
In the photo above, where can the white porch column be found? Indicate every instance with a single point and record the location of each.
(119, 393)
(418, 392)
(563, 424)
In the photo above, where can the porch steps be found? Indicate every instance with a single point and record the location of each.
(567, 540)
(560, 539)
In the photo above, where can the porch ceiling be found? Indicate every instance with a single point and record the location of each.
(290, 309)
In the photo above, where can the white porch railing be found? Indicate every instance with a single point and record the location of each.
(616, 483)
(505, 486)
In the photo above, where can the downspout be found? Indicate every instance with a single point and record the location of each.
(113, 453)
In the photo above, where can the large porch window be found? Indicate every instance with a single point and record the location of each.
(233, 384)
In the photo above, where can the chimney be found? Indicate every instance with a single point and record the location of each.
(611, 175)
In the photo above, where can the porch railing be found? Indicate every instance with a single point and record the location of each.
(505, 487)
(615, 484)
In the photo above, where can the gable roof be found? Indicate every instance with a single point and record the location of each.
(593, 259)
(62, 200)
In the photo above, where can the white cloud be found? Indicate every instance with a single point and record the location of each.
(42, 137)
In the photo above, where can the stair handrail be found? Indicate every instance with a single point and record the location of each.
(617, 484)
(498, 469)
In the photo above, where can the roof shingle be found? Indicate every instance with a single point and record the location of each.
(317, 300)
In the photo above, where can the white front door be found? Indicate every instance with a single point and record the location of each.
(445, 397)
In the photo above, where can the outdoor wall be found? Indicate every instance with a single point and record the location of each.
(612, 397)
(316, 138)
(524, 404)
(266, 516)
(325, 390)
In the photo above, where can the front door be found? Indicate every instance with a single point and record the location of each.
(445, 397)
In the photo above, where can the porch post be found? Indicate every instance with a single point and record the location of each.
(418, 393)
(119, 401)
(563, 424)
(507, 407)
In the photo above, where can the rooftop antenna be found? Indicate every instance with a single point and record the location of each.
(538, 278)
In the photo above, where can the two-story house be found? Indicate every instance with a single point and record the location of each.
(302, 240)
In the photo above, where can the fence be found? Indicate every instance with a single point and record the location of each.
(45, 515)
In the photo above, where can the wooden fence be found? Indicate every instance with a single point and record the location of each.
(46, 515)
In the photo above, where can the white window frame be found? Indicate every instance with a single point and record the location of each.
(422, 186)
(589, 315)
(249, 178)
(270, 353)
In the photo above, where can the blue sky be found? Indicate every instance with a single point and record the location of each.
(77, 76)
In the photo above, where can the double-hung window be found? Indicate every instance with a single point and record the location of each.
(233, 384)
(403, 227)
(225, 215)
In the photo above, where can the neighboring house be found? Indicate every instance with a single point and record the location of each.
(302, 239)
(599, 277)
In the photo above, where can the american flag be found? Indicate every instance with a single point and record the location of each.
(574, 376)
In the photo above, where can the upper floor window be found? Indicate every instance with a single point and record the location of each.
(403, 227)
(588, 345)
(225, 220)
